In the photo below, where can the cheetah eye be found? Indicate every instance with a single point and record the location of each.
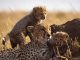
(60, 39)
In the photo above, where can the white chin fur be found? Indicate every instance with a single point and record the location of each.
(40, 22)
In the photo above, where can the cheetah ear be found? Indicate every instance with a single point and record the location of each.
(35, 9)
(30, 28)
(53, 34)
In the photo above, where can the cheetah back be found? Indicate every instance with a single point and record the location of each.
(31, 51)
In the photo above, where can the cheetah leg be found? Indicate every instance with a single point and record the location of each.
(21, 40)
(55, 48)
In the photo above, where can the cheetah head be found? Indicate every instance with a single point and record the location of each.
(39, 13)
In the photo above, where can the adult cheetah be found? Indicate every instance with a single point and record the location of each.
(31, 51)
(18, 33)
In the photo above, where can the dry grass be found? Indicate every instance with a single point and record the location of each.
(9, 19)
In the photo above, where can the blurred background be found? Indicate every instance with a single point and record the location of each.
(59, 11)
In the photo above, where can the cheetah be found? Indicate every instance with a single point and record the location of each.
(31, 51)
(59, 43)
(18, 33)
(38, 32)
